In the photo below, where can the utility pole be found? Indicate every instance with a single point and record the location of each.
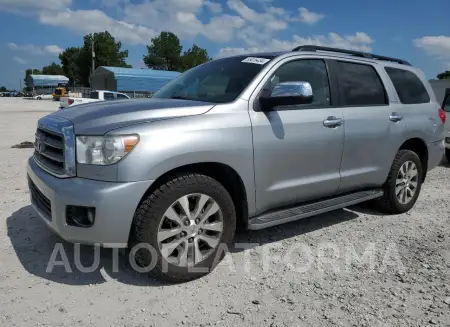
(93, 54)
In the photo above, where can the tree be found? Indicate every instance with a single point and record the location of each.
(193, 57)
(444, 75)
(107, 53)
(31, 71)
(3, 89)
(69, 63)
(164, 53)
(77, 62)
(52, 69)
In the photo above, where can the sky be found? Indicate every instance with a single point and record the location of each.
(36, 31)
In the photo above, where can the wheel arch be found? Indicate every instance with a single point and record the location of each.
(223, 173)
(418, 146)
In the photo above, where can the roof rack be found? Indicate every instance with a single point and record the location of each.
(350, 52)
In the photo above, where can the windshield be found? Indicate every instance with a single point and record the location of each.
(218, 81)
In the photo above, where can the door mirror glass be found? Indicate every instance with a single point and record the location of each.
(287, 94)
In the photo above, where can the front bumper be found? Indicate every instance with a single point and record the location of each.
(115, 204)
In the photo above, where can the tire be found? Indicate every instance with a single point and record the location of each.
(389, 202)
(447, 154)
(39, 98)
(150, 216)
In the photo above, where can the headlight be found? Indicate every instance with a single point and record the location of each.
(104, 150)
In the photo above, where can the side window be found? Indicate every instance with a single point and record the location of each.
(409, 88)
(360, 85)
(121, 96)
(108, 96)
(313, 71)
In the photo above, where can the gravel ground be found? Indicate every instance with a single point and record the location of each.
(403, 280)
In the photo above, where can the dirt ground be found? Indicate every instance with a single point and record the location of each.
(305, 273)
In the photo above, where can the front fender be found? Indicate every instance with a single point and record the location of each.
(167, 145)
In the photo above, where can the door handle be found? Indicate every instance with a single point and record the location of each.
(332, 122)
(395, 117)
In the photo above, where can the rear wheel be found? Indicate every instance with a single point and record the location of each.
(403, 184)
(39, 98)
(181, 228)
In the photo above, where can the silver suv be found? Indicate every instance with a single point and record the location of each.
(257, 140)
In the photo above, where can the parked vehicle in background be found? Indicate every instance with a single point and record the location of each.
(446, 107)
(43, 97)
(95, 96)
(257, 140)
(61, 91)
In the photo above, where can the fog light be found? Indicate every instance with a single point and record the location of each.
(80, 216)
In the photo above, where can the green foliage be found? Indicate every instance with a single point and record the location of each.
(444, 75)
(3, 89)
(52, 69)
(77, 62)
(193, 57)
(164, 53)
(69, 63)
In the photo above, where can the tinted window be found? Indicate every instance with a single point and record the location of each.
(218, 81)
(360, 85)
(108, 96)
(94, 95)
(446, 105)
(409, 88)
(121, 96)
(313, 71)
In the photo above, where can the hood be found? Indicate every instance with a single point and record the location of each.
(98, 118)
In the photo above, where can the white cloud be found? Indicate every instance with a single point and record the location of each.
(309, 17)
(19, 60)
(214, 7)
(180, 17)
(35, 49)
(359, 41)
(30, 6)
(436, 46)
(91, 21)
(268, 20)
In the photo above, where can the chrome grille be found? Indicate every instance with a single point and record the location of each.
(49, 150)
(55, 146)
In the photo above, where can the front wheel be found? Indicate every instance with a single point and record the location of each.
(447, 154)
(183, 229)
(403, 184)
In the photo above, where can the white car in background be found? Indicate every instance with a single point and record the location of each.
(43, 97)
(95, 96)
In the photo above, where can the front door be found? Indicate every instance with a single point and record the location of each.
(297, 149)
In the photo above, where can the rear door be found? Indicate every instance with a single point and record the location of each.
(373, 132)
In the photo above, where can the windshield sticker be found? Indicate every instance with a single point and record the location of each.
(254, 60)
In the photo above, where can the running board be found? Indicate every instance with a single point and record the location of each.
(311, 209)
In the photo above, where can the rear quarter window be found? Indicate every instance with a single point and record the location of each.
(408, 85)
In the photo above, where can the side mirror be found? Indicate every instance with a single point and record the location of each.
(287, 94)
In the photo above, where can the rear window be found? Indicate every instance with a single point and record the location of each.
(409, 87)
(94, 95)
(360, 85)
(446, 104)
